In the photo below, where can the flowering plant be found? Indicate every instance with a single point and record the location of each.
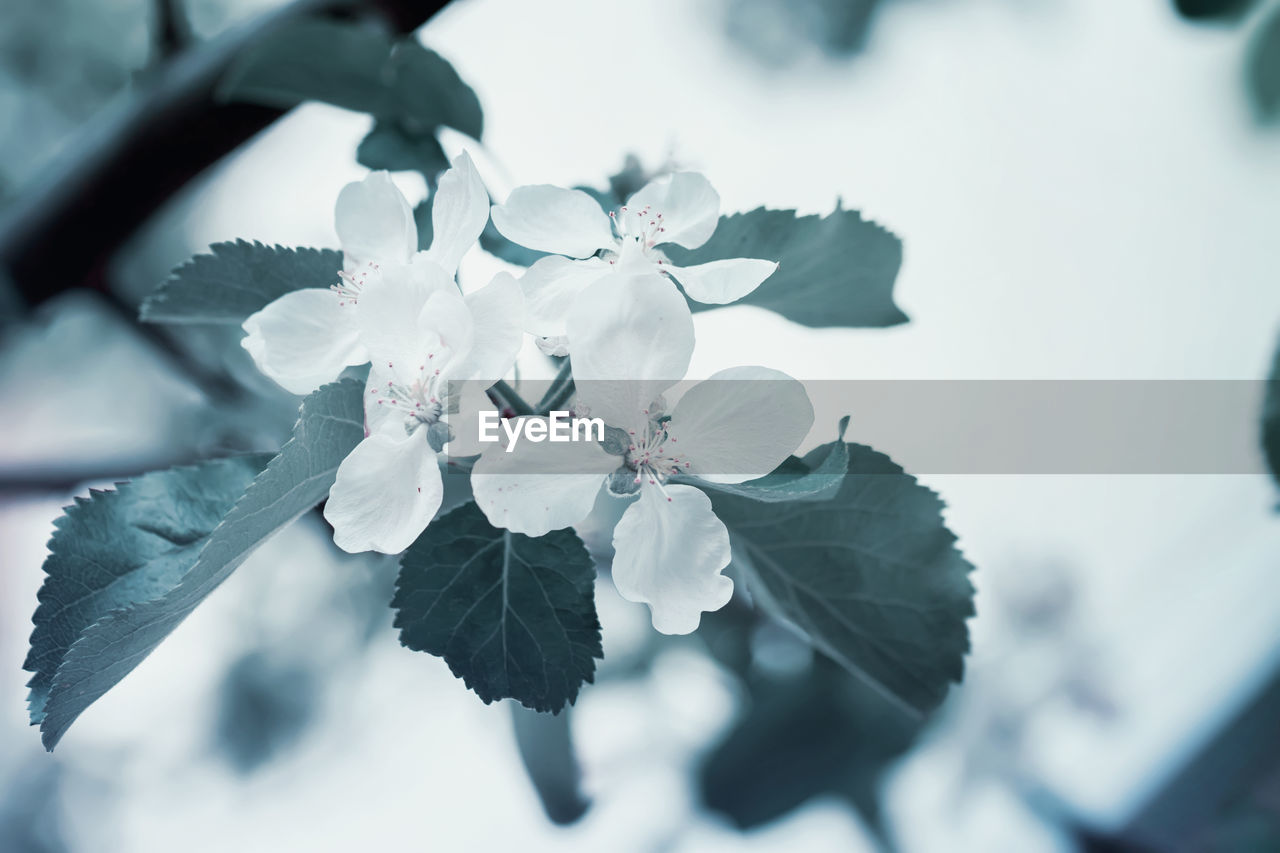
(696, 493)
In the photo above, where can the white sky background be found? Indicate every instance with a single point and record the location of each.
(1081, 195)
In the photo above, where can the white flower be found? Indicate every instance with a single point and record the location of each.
(587, 245)
(428, 345)
(305, 338)
(632, 342)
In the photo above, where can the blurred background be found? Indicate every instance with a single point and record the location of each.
(1085, 189)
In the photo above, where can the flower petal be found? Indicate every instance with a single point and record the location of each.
(497, 312)
(383, 414)
(740, 424)
(537, 488)
(458, 213)
(632, 338)
(387, 491)
(391, 311)
(550, 288)
(374, 222)
(668, 553)
(718, 282)
(553, 219)
(556, 346)
(304, 339)
(446, 317)
(690, 207)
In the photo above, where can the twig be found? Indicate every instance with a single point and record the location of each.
(64, 229)
(509, 399)
(561, 390)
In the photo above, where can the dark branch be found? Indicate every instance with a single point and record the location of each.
(61, 232)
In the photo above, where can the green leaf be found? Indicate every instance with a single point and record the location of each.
(1200, 10)
(804, 735)
(236, 279)
(312, 59)
(428, 92)
(402, 84)
(816, 477)
(390, 146)
(834, 270)
(871, 576)
(117, 548)
(1262, 67)
(514, 617)
(1271, 419)
(298, 478)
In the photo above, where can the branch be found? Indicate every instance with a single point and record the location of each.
(63, 230)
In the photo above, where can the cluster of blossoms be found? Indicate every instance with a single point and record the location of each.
(606, 297)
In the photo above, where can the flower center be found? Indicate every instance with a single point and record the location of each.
(418, 400)
(654, 456)
(638, 232)
(350, 285)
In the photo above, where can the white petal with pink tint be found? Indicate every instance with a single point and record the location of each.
(374, 222)
(386, 492)
(304, 339)
(553, 219)
(669, 552)
(684, 205)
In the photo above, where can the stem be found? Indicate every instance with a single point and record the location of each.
(509, 399)
(546, 748)
(561, 390)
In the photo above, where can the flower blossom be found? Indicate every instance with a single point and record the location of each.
(633, 342)
(305, 338)
(429, 346)
(587, 245)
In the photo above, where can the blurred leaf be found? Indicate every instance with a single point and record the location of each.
(1198, 10)
(835, 270)
(36, 807)
(264, 706)
(329, 427)
(117, 548)
(871, 576)
(429, 93)
(411, 91)
(514, 617)
(1262, 68)
(312, 59)
(802, 736)
(545, 742)
(1271, 419)
(237, 279)
(389, 146)
(794, 479)
(628, 180)
(782, 32)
